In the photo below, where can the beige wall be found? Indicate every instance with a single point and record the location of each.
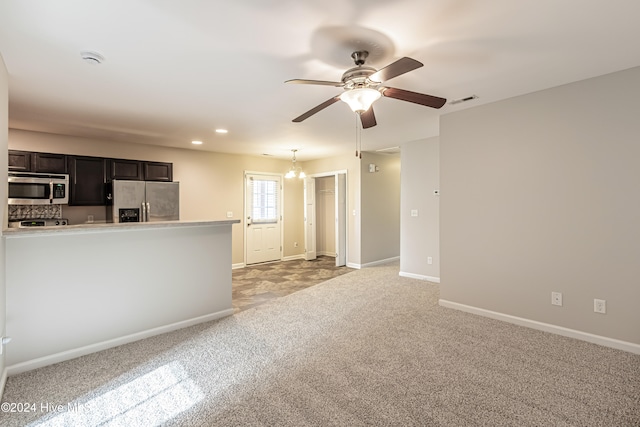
(211, 184)
(540, 194)
(4, 125)
(420, 235)
(380, 205)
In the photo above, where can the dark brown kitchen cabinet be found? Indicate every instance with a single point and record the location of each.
(87, 176)
(125, 169)
(27, 161)
(158, 171)
(49, 163)
(20, 161)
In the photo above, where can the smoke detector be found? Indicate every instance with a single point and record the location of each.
(91, 57)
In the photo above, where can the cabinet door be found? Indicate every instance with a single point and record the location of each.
(19, 161)
(158, 171)
(51, 163)
(87, 176)
(125, 169)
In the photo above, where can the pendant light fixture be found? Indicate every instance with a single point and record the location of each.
(295, 171)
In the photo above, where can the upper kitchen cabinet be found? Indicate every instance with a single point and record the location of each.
(26, 161)
(87, 177)
(125, 169)
(51, 163)
(20, 161)
(158, 171)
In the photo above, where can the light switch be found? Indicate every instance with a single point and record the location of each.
(414, 212)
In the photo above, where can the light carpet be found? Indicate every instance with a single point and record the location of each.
(365, 348)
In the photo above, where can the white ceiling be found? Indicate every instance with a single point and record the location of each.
(175, 70)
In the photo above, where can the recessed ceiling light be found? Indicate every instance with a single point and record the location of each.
(196, 142)
(221, 131)
(91, 57)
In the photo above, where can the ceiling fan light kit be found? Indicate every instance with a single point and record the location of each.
(360, 99)
(363, 86)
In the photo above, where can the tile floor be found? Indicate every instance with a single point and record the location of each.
(257, 284)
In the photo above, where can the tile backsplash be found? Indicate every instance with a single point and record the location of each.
(34, 212)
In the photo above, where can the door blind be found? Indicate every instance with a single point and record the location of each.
(264, 201)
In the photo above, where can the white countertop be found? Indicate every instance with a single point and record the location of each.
(108, 227)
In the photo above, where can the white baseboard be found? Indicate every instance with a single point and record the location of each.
(432, 279)
(380, 262)
(354, 265)
(238, 265)
(292, 257)
(547, 327)
(325, 253)
(29, 365)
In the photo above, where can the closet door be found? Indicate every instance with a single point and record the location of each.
(309, 219)
(341, 219)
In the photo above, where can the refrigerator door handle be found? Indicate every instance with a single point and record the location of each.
(148, 211)
(143, 217)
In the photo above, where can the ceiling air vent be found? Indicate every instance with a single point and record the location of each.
(461, 100)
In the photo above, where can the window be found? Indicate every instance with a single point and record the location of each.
(264, 201)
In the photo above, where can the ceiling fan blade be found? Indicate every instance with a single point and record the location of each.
(317, 108)
(315, 82)
(368, 118)
(417, 98)
(401, 66)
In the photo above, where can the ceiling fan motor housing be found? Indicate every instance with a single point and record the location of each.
(357, 77)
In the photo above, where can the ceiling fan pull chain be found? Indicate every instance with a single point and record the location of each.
(357, 134)
(359, 122)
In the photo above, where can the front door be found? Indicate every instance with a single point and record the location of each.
(262, 218)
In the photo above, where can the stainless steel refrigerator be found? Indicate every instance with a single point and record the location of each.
(144, 201)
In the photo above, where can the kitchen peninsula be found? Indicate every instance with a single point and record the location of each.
(78, 289)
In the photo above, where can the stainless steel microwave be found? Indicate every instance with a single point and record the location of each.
(27, 188)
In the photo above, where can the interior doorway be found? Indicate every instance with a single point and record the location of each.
(326, 216)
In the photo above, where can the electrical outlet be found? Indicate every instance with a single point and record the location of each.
(429, 260)
(295, 244)
(89, 219)
(600, 306)
(556, 298)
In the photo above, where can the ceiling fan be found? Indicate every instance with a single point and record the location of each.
(363, 86)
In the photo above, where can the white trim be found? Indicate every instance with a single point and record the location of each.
(326, 174)
(3, 382)
(554, 329)
(238, 265)
(29, 365)
(293, 257)
(379, 262)
(335, 174)
(325, 253)
(354, 265)
(420, 277)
